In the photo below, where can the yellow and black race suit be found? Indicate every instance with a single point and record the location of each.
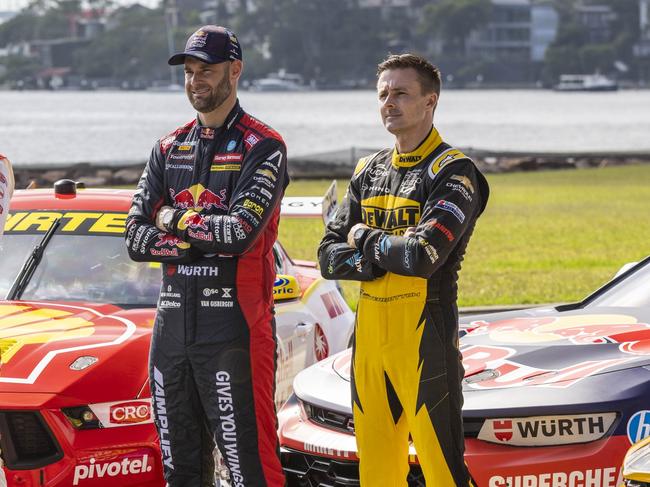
(406, 369)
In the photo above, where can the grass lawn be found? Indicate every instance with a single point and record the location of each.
(545, 237)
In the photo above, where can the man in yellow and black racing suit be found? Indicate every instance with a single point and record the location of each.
(402, 230)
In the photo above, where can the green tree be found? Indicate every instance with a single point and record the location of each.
(322, 40)
(134, 49)
(572, 52)
(29, 25)
(19, 68)
(452, 21)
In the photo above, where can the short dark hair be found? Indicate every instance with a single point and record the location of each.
(428, 74)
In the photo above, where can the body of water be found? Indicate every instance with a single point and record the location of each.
(114, 127)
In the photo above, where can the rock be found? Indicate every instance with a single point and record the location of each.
(127, 176)
(93, 181)
(51, 176)
(104, 173)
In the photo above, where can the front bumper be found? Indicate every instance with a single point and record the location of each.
(41, 448)
(308, 470)
(317, 456)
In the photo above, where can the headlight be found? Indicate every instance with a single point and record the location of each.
(636, 465)
(110, 414)
(82, 418)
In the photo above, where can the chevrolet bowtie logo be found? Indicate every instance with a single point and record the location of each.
(465, 181)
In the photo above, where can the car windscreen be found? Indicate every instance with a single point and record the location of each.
(79, 266)
(632, 291)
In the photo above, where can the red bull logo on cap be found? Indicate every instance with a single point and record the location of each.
(198, 198)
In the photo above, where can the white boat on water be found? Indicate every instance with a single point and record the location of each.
(280, 81)
(586, 82)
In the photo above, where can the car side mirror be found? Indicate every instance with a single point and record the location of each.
(285, 288)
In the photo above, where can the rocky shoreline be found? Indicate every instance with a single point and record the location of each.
(324, 166)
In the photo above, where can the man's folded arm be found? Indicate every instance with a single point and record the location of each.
(255, 199)
(336, 258)
(145, 242)
(448, 213)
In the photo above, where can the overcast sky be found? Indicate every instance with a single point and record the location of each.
(15, 5)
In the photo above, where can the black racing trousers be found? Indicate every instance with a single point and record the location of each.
(212, 376)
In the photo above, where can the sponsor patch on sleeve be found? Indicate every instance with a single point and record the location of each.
(451, 208)
(443, 160)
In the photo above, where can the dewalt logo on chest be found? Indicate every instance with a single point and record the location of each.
(390, 213)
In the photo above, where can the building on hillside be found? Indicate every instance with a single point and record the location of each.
(56, 57)
(544, 26)
(516, 37)
(642, 47)
(597, 21)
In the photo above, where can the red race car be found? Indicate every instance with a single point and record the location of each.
(75, 325)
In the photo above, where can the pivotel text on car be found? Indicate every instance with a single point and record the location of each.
(75, 325)
(553, 397)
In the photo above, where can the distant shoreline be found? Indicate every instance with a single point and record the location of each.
(338, 164)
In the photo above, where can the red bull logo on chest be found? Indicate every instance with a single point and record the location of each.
(198, 198)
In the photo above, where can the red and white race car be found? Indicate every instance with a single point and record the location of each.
(75, 326)
(553, 397)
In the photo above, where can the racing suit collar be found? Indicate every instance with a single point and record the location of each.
(209, 132)
(410, 159)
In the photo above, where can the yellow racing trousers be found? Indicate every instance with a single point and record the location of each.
(406, 379)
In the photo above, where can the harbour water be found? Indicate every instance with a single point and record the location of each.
(41, 128)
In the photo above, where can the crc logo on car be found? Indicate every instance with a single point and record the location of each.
(547, 430)
(98, 470)
(130, 412)
(638, 427)
(123, 413)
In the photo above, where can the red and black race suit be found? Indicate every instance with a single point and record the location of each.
(212, 362)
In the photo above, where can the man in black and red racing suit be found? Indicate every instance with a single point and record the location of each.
(215, 188)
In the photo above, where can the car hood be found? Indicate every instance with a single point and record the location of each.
(44, 346)
(531, 356)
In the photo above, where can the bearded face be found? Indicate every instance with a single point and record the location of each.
(207, 85)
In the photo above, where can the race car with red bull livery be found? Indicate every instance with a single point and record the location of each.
(76, 317)
(553, 397)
